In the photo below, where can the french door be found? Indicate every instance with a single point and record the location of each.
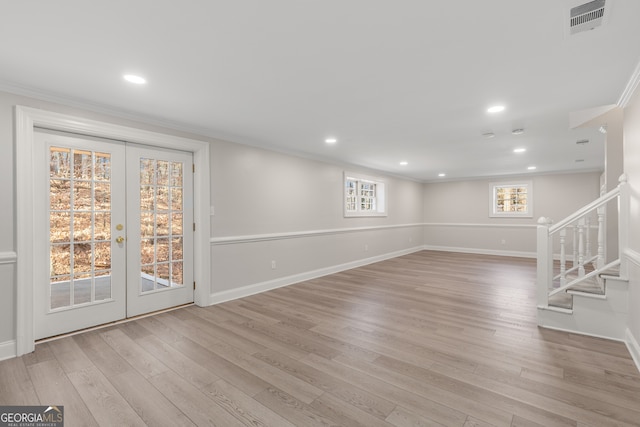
(111, 219)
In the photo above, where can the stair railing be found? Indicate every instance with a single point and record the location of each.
(586, 261)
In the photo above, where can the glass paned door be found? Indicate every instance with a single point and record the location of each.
(84, 204)
(163, 180)
(114, 231)
(79, 227)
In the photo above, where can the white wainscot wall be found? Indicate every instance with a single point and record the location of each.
(243, 265)
(7, 303)
(504, 239)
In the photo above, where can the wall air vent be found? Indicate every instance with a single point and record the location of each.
(587, 16)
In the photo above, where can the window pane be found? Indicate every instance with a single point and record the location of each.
(176, 248)
(176, 199)
(60, 260)
(162, 250)
(82, 226)
(102, 197)
(81, 288)
(59, 162)
(61, 292)
(82, 195)
(102, 256)
(103, 285)
(147, 251)
(60, 227)
(103, 167)
(82, 258)
(176, 174)
(147, 171)
(82, 165)
(147, 198)
(162, 173)
(176, 273)
(59, 194)
(102, 226)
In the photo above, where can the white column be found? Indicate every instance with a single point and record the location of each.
(545, 262)
(563, 257)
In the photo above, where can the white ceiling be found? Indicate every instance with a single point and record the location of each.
(391, 80)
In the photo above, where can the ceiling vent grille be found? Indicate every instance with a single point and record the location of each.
(586, 16)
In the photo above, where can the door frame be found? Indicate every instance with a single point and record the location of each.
(26, 119)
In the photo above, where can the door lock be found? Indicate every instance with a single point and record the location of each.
(119, 239)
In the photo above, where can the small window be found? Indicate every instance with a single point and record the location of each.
(512, 199)
(363, 196)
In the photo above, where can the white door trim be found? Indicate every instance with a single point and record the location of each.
(26, 119)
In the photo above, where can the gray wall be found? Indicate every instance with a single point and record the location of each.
(258, 192)
(457, 213)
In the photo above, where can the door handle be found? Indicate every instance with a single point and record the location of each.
(119, 239)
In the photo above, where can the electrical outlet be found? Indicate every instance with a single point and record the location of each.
(503, 241)
(273, 265)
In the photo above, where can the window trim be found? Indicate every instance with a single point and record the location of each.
(493, 187)
(380, 197)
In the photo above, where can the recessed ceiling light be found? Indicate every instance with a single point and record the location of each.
(495, 109)
(517, 131)
(519, 150)
(403, 163)
(132, 78)
(579, 160)
(331, 140)
(442, 174)
(531, 168)
(602, 129)
(488, 135)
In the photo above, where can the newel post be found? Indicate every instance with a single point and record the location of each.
(545, 261)
(624, 208)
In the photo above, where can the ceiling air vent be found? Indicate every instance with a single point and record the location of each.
(586, 16)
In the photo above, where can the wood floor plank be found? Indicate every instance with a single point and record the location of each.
(239, 377)
(431, 338)
(149, 403)
(16, 387)
(200, 409)
(101, 354)
(54, 388)
(345, 413)
(178, 362)
(355, 396)
(294, 410)
(401, 417)
(243, 407)
(135, 355)
(423, 399)
(107, 406)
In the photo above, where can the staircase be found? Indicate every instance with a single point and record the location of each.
(579, 289)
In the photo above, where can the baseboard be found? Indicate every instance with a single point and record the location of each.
(256, 288)
(8, 350)
(634, 348)
(573, 331)
(517, 254)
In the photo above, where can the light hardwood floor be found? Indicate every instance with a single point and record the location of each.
(427, 339)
